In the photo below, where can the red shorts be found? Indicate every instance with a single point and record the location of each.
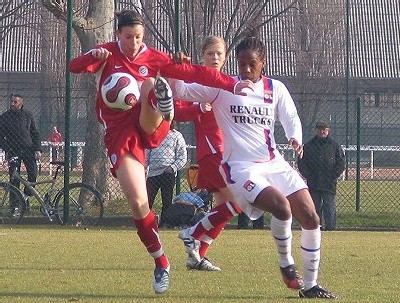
(209, 176)
(129, 137)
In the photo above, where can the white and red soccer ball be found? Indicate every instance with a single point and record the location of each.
(120, 91)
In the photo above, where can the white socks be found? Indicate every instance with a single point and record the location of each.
(282, 233)
(311, 254)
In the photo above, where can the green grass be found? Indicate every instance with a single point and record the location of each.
(378, 205)
(59, 264)
(373, 194)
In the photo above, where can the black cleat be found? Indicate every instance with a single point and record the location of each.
(292, 278)
(316, 292)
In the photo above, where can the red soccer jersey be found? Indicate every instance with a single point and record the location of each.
(208, 135)
(209, 145)
(123, 131)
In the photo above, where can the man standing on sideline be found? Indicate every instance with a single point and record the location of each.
(54, 139)
(163, 164)
(20, 138)
(322, 164)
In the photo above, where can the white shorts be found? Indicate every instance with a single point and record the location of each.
(247, 179)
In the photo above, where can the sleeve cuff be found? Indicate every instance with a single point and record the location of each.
(201, 109)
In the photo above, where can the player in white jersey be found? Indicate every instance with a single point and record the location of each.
(255, 172)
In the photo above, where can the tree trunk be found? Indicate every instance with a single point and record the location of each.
(95, 163)
(92, 27)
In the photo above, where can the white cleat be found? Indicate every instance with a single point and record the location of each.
(204, 265)
(165, 102)
(192, 245)
(161, 280)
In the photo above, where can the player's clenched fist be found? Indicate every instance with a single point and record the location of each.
(298, 148)
(101, 53)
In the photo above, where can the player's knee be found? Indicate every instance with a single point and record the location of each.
(273, 201)
(147, 84)
(309, 220)
(282, 212)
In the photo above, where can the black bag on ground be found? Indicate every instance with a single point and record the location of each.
(179, 215)
(200, 213)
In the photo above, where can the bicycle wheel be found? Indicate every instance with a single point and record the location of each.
(12, 204)
(85, 205)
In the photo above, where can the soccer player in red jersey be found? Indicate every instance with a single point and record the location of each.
(209, 149)
(128, 133)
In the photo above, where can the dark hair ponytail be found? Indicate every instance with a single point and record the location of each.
(252, 42)
(128, 18)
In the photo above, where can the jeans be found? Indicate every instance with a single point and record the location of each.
(165, 182)
(29, 160)
(325, 204)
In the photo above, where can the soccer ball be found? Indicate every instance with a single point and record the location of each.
(120, 91)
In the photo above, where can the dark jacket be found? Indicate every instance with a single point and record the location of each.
(18, 132)
(322, 164)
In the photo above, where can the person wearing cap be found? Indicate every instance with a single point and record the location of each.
(322, 164)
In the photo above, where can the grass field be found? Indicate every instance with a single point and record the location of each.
(60, 264)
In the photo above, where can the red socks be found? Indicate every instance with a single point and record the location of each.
(147, 230)
(209, 228)
(152, 99)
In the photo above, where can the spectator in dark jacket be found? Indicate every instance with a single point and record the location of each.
(322, 164)
(20, 138)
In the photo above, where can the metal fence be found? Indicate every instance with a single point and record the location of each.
(359, 95)
(376, 206)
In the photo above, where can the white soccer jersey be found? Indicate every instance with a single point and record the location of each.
(247, 122)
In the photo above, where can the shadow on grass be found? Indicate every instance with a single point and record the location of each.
(205, 297)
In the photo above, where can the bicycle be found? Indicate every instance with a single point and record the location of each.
(86, 204)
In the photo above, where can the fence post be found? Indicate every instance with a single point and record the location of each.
(68, 52)
(372, 164)
(358, 173)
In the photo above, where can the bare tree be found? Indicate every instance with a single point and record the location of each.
(318, 43)
(229, 19)
(12, 15)
(52, 69)
(26, 28)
